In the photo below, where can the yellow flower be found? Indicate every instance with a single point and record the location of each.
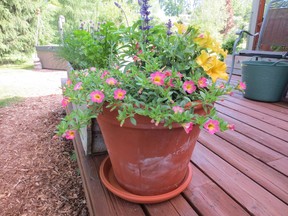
(218, 71)
(205, 60)
(204, 40)
(216, 47)
(181, 27)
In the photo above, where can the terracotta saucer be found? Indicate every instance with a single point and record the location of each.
(109, 180)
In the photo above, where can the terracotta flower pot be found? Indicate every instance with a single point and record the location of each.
(148, 160)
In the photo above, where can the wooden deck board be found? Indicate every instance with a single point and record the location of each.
(241, 172)
(248, 193)
(256, 114)
(268, 140)
(261, 173)
(208, 198)
(256, 123)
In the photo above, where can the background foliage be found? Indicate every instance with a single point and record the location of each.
(21, 28)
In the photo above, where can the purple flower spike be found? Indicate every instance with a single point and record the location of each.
(169, 26)
(145, 14)
(117, 5)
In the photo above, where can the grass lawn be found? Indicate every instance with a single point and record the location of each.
(9, 101)
(25, 65)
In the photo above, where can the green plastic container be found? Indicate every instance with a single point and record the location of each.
(265, 81)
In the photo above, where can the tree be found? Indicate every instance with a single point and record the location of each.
(230, 20)
(174, 7)
(17, 27)
(211, 16)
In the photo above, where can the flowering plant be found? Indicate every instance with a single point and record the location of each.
(165, 71)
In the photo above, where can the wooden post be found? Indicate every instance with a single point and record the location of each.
(256, 19)
(260, 15)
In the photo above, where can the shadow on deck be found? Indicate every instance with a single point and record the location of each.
(241, 172)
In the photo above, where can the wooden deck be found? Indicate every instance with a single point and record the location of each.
(241, 172)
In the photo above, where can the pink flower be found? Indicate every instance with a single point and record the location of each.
(178, 109)
(212, 126)
(70, 134)
(111, 81)
(65, 101)
(231, 127)
(97, 96)
(104, 74)
(171, 84)
(119, 94)
(92, 69)
(242, 86)
(188, 127)
(168, 73)
(179, 75)
(139, 52)
(157, 78)
(221, 86)
(78, 86)
(189, 86)
(201, 35)
(136, 58)
(68, 82)
(202, 82)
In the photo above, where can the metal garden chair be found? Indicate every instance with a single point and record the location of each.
(273, 35)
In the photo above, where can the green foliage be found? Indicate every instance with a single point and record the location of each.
(47, 24)
(73, 156)
(211, 16)
(91, 48)
(17, 27)
(10, 101)
(229, 43)
(174, 7)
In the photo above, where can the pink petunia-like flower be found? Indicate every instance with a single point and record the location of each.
(231, 127)
(168, 73)
(189, 86)
(92, 69)
(119, 94)
(97, 96)
(65, 102)
(136, 58)
(242, 86)
(221, 86)
(105, 73)
(111, 81)
(157, 78)
(202, 82)
(178, 109)
(170, 83)
(179, 75)
(188, 127)
(70, 134)
(212, 126)
(78, 86)
(68, 82)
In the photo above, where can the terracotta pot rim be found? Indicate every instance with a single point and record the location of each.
(145, 121)
(108, 179)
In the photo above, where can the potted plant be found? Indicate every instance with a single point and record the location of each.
(151, 104)
(90, 46)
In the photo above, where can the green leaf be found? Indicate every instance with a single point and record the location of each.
(133, 121)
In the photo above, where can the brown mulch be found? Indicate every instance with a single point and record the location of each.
(37, 174)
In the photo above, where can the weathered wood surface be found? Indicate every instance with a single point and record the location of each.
(241, 172)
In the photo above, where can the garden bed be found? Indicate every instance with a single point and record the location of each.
(38, 173)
